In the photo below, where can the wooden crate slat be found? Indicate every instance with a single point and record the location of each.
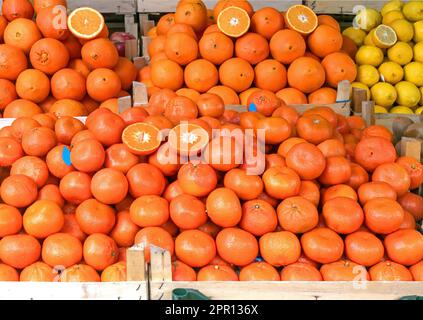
(170, 5)
(106, 6)
(342, 6)
(312, 290)
(73, 291)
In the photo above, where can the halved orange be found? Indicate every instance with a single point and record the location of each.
(233, 21)
(85, 23)
(142, 138)
(301, 19)
(188, 138)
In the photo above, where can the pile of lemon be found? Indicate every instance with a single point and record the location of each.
(390, 55)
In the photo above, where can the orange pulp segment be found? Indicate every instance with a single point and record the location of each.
(301, 19)
(233, 21)
(141, 138)
(85, 23)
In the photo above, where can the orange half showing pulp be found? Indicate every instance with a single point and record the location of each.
(233, 21)
(85, 23)
(188, 139)
(301, 19)
(142, 138)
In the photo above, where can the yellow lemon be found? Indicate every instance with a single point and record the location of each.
(401, 110)
(413, 10)
(384, 36)
(413, 72)
(403, 29)
(392, 16)
(367, 74)
(367, 19)
(368, 40)
(400, 53)
(355, 34)
(384, 94)
(418, 31)
(408, 95)
(418, 52)
(360, 85)
(243, 96)
(369, 55)
(391, 6)
(380, 109)
(418, 110)
(391, 72)
(421, 96)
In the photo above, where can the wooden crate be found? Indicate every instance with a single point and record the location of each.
(136, 288)
(342, 6)
(161, 287)
(162, 6)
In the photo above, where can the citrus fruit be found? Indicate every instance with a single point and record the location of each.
(391, 72)
(403, 29)
(369, 55)
(384, 36)
(401, 53)
(384, 94)
(85, 23)
(367, 75)
(408, 94)
(233, 21)
(301, 19)
(141, 138)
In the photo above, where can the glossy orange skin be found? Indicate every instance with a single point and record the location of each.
(404, 246)
(80, 273)
(297, 214)
(195, 248)
(337, 170)
(280, 248)
(412, 203)
(61, 249)
(75, 187)
(300, 271)
(307, 160)
(340, 220)
(389, 271)
(145, 179)
(258, 217)
(237, 246)
(259, 271)
(109, 186)
(95, 217)
(372, 190)
(217, 273)
(395, 175)
(197, 179)
(322, 245)
(182, 272)
(281, 182)
(100, 251)
(344, 270)
(154, 236)
(383, 215)
(124, 230)
(187, 212)
(20, 250)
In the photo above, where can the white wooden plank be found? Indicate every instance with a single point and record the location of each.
(106, 6)
(170, 5)
(73, 291)
(311, 290)
(342, 6)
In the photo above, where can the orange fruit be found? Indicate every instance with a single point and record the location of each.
(301, 19)
(145, 179)
(13, 9)
(38, 271)
(109, 186)
(223, 207)
(10, 220)
(85, 23)
(324, 41)
(74, 47)
(182, 272)
(32, 167)
(22, 34)
(309, 68)
(95, 217)
(18, 191)
(297, 215)
(61, 249)
(40, 4)
(149, 211)
(327, 20)
(20, 250)
(228, 95)
(79, 66)
(192, 13)
(43, 218)
(337, 171)
(51, 21)
(126, 71)
(292, 96)
(181, 48)
(310, 190)
(300, 271)
(267, 21)
(390, 271)
(12, 62)
(349, 47)
(187, 212)
(307, 160)
(417, 271)
(252, 47)
(124, 230)
(197, 179)
(258, 217)
(323, 95)
(114, 273)
(100, 251)
(233, 21)
(165, 22)
(404, 246)
(322, 245)
(79, 273)
(10, 151)
(68, 84)
(338, 219)
(270, 75)
(103, 84)
(141, 138)
(287, 45)
(33, 85)
(201, 75)
(167, 74)
(237, 74)
(217, 273)
(195, 248)
(180, 109)
(49, 55)
(259, 271)
(216, 47)
(156, 236)
(246, 187)
(8, 93)
(281, 182)
(383, 215)
(374, 151)
(339, 66)
(364, 248)
(237, 246)
(280, 248)
(394, 175)
(413, 203)
(343, 270)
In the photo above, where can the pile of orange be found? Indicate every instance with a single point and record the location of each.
(233, 51)
(332, 203)
(55, 63)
